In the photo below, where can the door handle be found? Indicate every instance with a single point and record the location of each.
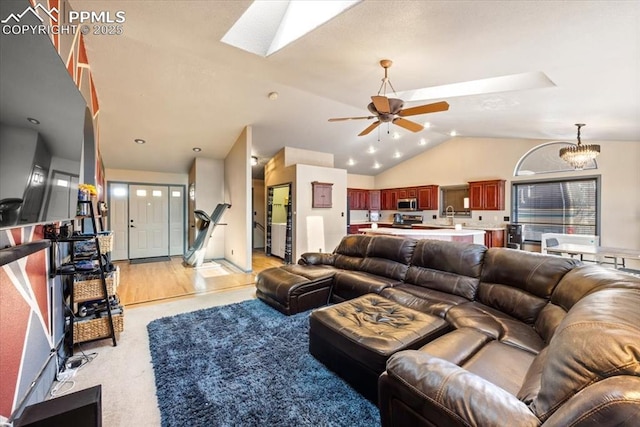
(133, 226)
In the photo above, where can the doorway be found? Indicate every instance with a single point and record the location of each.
(147, 220)
(279, 222)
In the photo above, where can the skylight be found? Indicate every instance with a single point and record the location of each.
(523, 81)
(268, 25)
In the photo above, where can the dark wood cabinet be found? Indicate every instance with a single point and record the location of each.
(374, 200)
(427, 197)
(494, 238)
(407, 193)
(389, 199)
(322, 193)
(358, 199)
(487, 195)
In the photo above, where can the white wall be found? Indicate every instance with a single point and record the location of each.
(209, 182)
(237, 179)
(460, 160)
(334, 219)
(360, 181)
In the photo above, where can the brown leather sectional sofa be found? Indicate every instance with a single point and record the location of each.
(527, 339)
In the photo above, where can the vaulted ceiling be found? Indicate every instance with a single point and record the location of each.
(170, 81)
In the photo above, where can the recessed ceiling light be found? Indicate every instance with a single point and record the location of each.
(376, 165)
(197, 149)
(397, 155)
(351, 162)
(422, 141)
(453, 133)
(273, 96)
(395, 135)
(139, 141)
(371, 150)
(427, 125)
(34, 121)
(254, 160)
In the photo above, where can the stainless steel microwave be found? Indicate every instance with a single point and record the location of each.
(407, 205)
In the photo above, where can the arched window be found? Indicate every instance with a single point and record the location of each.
(545, 158)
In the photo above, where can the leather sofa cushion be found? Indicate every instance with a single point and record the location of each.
(520, 283)
(575, 285)
(388, 256)
(354, 245)
(352, 284)
(460, 258)
(423, 299)
(497, 325)
(502, 364)
(599, 338)
(451, 283)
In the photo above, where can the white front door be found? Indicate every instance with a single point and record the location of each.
(148, 221)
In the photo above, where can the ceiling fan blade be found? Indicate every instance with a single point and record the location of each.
(371, 127)
(381, 103)
(339, 119)
(408, 124)
(424, 109)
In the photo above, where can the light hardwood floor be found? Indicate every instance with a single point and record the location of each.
(159, 281)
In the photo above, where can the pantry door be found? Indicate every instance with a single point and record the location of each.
(148, 221)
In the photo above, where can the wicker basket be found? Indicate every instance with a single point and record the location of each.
(106, 242)
(88, 330)
(91, 289)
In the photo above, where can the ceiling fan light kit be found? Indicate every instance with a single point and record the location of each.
(391, 110)
(580, 154)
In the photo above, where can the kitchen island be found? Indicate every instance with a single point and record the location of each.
(452, 235)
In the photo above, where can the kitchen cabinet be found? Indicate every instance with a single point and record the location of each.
(389, 199)
(321, 194)
(494, 238)
(358, 199)
(487, 195)
(374, 200)
(407, 193)
(428, 197)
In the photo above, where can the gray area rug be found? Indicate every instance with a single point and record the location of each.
(245, 364)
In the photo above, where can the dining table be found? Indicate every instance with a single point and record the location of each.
(598, 252)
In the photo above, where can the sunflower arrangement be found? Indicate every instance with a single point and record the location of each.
(88, 188)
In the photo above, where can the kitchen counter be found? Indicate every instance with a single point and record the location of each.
(471, 236)
(427, 225)
(464, 227)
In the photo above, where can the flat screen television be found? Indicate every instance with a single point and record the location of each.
(42, 125)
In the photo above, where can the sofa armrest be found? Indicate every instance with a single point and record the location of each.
(316, 258)
(425, 390)
(612, 401)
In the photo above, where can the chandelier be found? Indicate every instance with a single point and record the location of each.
(579, 155)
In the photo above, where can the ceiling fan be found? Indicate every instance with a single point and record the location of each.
(390, 110)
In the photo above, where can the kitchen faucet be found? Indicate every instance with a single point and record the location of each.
(450, 213)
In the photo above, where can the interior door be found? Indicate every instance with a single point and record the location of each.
(148, 221)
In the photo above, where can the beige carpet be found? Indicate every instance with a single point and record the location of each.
(125, 371)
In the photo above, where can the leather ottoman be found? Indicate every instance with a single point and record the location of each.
(289, 292)
(356, 337)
